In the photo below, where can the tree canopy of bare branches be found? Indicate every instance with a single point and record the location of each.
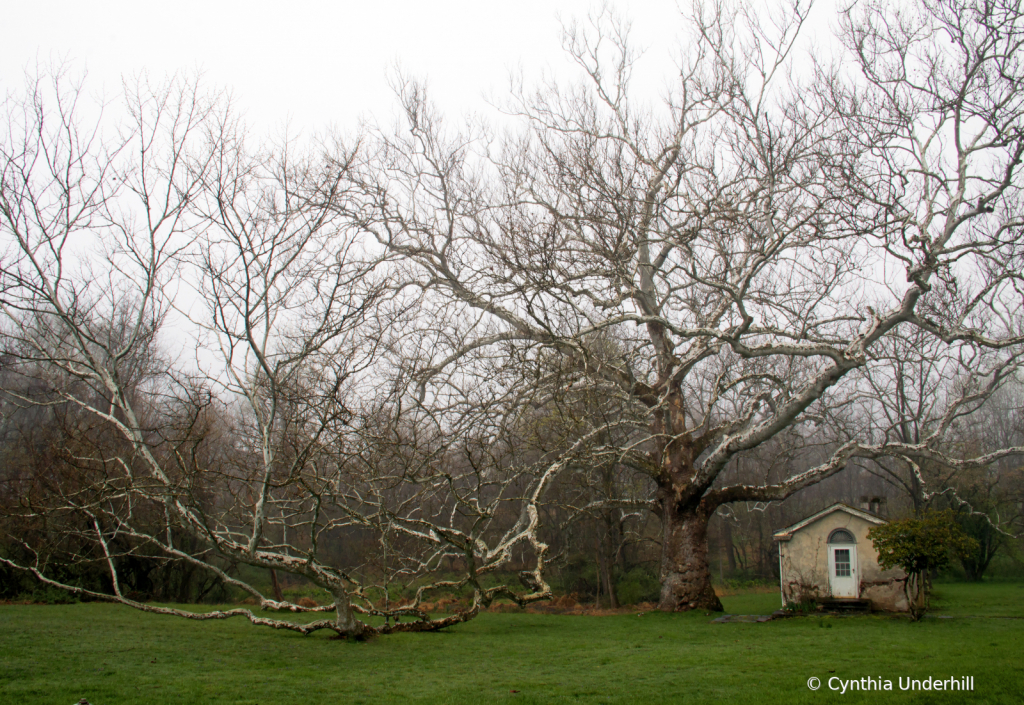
(720, 264)
(382, 364)
(227, 359)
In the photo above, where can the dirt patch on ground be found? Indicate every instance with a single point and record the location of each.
(590, 610)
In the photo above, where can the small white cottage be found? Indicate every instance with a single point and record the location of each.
(828, 557)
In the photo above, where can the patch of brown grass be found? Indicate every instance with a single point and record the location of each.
(591, 610)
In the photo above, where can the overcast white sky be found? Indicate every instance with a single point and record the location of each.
(313, 62)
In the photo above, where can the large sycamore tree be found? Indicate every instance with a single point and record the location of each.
(724, 264)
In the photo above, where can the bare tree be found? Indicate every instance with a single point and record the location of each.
(285, 441)
(907, 388)
(750, 243)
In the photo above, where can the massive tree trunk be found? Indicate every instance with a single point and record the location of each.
(685, 573)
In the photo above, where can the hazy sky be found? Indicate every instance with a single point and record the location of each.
(313, 62)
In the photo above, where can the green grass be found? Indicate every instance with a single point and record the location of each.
(759, 601)
(113, 655)
(997, 599)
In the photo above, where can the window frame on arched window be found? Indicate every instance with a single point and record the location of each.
(845, 537)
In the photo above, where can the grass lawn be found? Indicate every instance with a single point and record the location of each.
(112, 655)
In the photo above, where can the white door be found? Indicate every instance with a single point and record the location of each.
(842, 570)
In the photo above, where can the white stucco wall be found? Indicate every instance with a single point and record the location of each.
(804, 564)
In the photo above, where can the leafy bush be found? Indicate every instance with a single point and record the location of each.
(920, 546)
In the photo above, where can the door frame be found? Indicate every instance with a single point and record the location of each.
(849, 585)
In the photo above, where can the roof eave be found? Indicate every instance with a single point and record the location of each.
(787, 533)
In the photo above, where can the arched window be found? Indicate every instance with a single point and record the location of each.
(841, 536)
